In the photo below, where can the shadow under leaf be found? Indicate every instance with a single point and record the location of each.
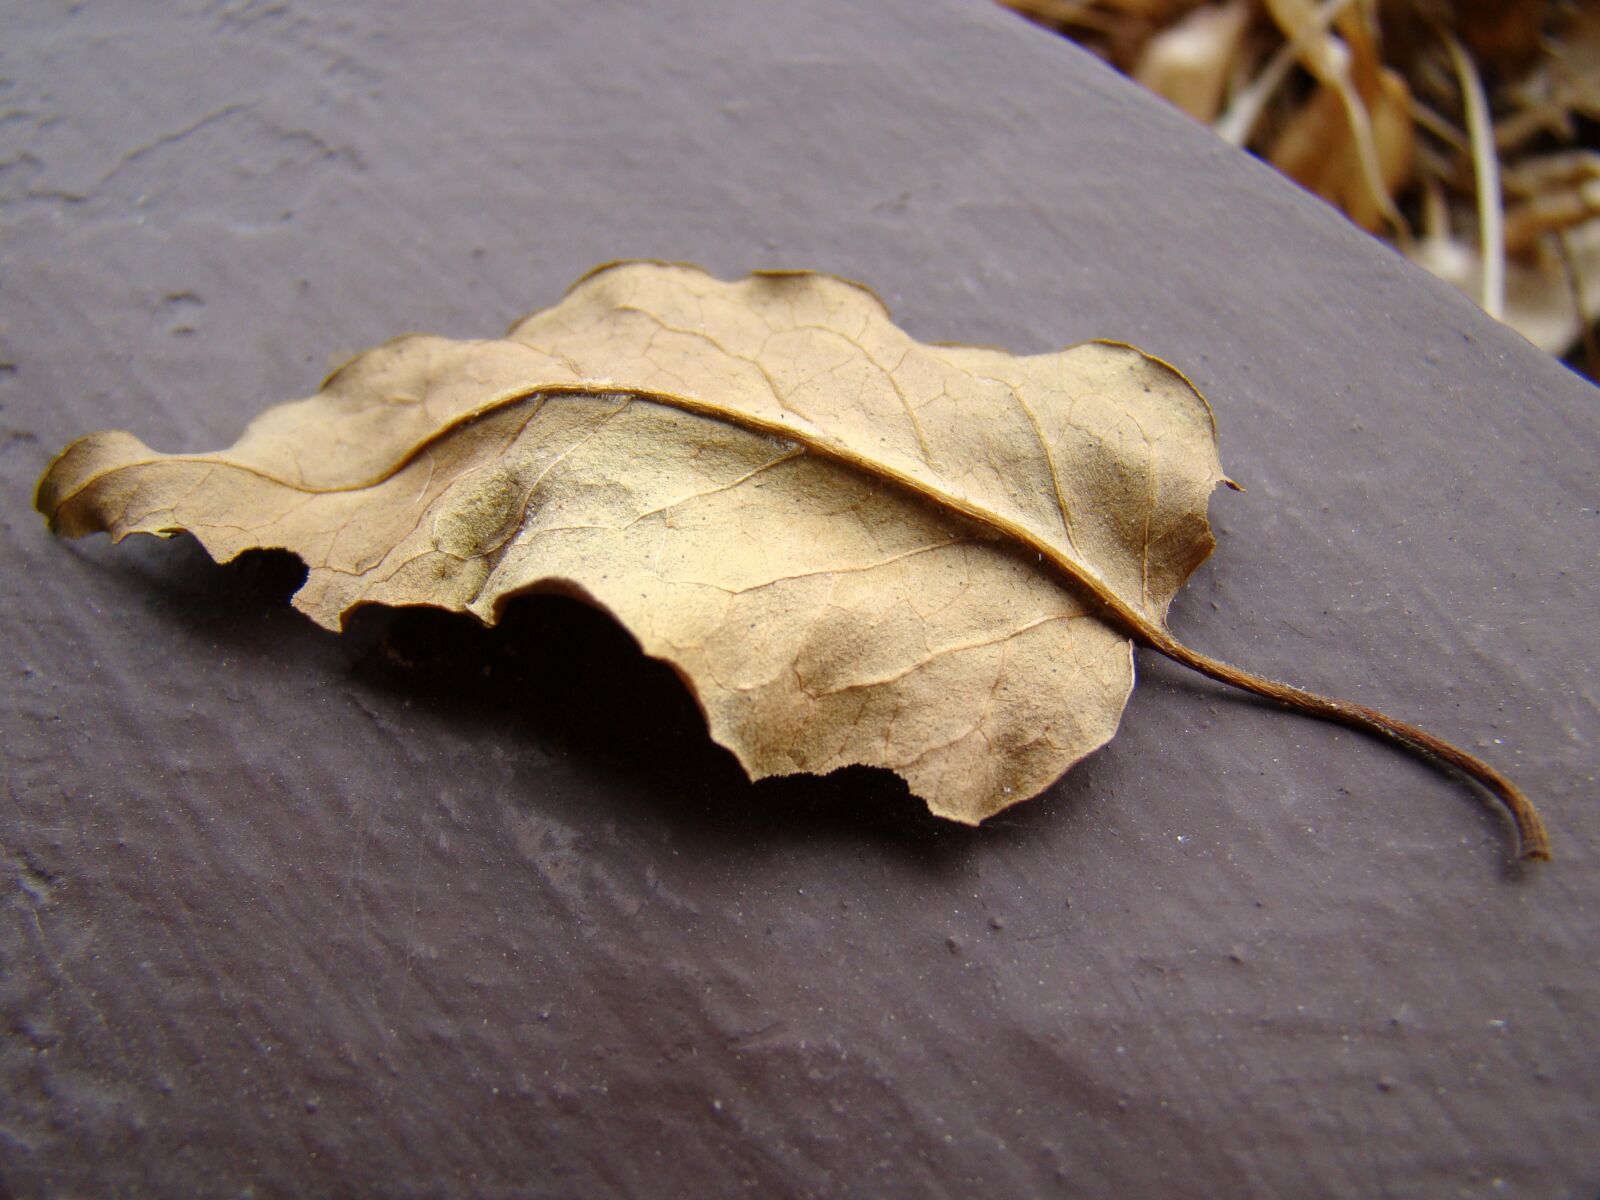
(553, 674)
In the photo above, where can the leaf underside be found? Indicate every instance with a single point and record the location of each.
(852, 547)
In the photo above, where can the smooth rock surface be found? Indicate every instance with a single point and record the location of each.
(429, 910)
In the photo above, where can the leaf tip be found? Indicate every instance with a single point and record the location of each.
(1534, 838)
(75, 469)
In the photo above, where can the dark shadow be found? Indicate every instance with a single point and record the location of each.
(554, 674)
(176, 577)
(557, 673)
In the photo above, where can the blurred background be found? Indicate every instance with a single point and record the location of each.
(1466, 133)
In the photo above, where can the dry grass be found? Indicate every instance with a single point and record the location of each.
(1467, 133)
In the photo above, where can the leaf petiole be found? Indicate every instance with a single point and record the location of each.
(1532, 837)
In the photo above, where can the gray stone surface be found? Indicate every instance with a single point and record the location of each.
(424, 910)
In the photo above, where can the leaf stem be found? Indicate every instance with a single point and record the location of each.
(1533, 840)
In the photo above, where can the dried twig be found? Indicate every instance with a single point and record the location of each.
(1238, 124)
(1486, 174)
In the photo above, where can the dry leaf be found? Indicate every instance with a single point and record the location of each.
(822, 612)
(1189, 63)
(1552, 289)
(1362, 104)
(854, 548)
(1561, 191)
(1327, 152)
(1353, 142)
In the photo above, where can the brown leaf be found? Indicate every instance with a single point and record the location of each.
(854, 548)
(1552, 291)
(644, 445)
(1355, 165)
(1189, 62)
(1506, 36)
(1353, 141)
